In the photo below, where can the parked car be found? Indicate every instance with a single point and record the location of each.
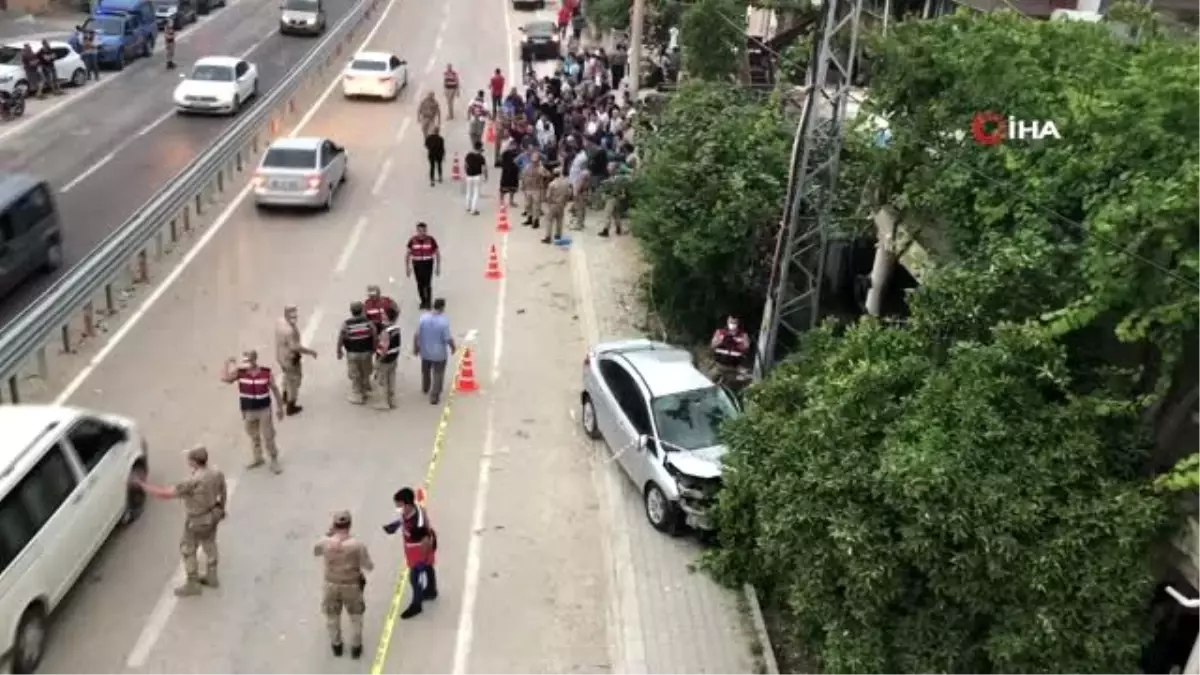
(301, 17)
(375, 75)
(177, 13)
(661, 418)
(68, 66)
(121, 37)
(528, 4)
(64, 487)
(30, 234)
(217, 84)
(305, 172)
(542, 36)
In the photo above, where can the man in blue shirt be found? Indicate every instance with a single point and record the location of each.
(433, 345)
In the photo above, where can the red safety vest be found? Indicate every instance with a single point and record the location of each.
(376, 308)
(422, 248)
(420, 551)
(731, 345)
(450, 79)
(254, 388)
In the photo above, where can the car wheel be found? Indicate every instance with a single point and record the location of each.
(135, 497)
(328, 200)
(79, 77)
(54, 257)
(660, 511)
(30, 642)
(254, 89)
(121, 60)
(237, 106)
(587, 414)
(21, 86)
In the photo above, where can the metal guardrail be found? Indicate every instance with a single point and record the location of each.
(68, 313)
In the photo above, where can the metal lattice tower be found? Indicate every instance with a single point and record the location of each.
(794, 297)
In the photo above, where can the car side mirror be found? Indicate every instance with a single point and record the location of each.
(403, 62)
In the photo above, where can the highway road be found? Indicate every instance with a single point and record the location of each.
(524, 569)
(108, 148)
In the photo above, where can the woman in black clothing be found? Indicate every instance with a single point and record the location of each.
(435, 149)
(510, 174)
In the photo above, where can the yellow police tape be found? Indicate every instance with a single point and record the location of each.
(439, 440)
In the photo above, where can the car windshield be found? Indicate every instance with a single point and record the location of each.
(290, 158)
(692, 420)
(166, 4)
(10, 55)
(539, 29)
(108, 25)
(365, 64)
(300, 5)
(210, 73)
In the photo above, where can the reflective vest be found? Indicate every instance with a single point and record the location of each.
(450, 79)
(420, 541)
(254, 388)
(422, 249)
(730, 346)
(375, 309)
(390, 351)
(356, 338)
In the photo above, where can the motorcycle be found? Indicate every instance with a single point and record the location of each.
(12, 105)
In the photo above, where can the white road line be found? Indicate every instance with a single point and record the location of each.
(501, 298)
(383, 172)
(351, 243)
(311, 327)
(437, 44)
(445, 24)
(161, 614)
(94, 167)
(429, 64)
(161, 118)
(466, 614)
(404, 125)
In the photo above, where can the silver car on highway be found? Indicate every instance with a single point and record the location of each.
(305, 172)
(661, 418)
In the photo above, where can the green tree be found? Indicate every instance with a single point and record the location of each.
(706, 203)
(919, 509)
(712, 39)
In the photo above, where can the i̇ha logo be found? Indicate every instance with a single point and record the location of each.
(992, 128)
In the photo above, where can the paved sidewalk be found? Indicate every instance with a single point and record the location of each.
(18, 27)
(671, 616)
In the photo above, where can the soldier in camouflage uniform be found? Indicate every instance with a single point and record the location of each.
(346, 563)
(558, 193)
(205, 499)
(616, 198)
(533, 184)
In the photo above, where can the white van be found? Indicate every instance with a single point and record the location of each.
(64, 486)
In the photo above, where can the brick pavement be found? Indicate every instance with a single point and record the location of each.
(671, 616)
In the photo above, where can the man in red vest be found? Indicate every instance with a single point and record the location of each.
(256, 390)
(376, 305)
(420, 549)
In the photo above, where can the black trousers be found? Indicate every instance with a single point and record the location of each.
(435, 169)
(423, 271)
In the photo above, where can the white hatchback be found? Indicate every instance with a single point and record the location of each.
(375, 75)
(68, 66)
(64, 486)
(217, 84)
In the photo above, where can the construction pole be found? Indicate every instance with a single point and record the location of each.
(636, 21)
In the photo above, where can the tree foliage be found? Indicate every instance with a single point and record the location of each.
(706, 204)
(712, 39)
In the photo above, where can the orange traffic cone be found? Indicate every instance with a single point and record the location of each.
(455, 169)
(502, 221)
(493, 266)
(420, 495)
(465, 382)
(489, 135)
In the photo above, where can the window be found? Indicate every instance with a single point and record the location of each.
(369, 64)
(92, 439)
(327, 153)
(395, 63)
(290, 158)
(628, 396)
(29, 211)
(242, 68)
(61, 53)
(32, 503)
(6, 232)
(211, 73)
(692, 420)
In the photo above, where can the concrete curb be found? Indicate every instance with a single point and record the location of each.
(770, 664)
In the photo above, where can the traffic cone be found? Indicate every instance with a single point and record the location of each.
(493, 266)
(420, 495)
(465, 382)
(455, 169)
(489, 135)
(502, 221)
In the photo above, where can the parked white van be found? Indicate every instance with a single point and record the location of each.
(64, 486)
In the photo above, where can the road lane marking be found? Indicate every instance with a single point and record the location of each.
(310, 328)
(404, 126)
(94, 167)
(384, 170)
(439, 443)
(501, 300)
(437, 44)
(351, 243)
(161, 614)
(429, 64)
(466, 614)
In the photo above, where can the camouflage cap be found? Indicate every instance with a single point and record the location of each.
(341, 519)
(198, 454)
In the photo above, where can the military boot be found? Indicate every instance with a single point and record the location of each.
(356, 652)
(337, 648)
(210, 577)
(190, 588)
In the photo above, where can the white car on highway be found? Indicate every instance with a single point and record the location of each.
(217, 84)
(64, 486)
(68, 65)
(375, 75)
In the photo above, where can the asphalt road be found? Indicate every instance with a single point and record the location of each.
(108, 148)
(522, 556)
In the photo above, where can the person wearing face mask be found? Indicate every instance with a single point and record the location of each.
(730, 344)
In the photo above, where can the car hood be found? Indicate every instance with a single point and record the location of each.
(200, 88)
(702, 463)
(106, 40)
(297, 15)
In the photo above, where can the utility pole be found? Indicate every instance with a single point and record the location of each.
(636, 21)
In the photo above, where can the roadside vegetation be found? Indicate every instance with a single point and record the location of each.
(975, 486)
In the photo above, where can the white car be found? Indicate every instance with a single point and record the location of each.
(64, 487)
(68, 65)
(217, 84)
(375, 75)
